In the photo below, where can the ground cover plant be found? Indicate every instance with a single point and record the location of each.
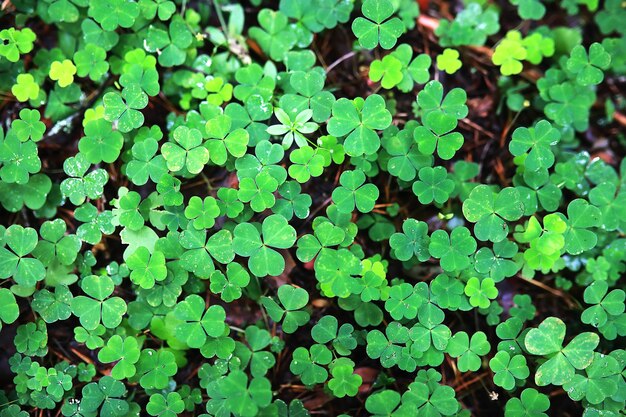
(312, 207)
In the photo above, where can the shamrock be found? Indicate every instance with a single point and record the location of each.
(531, 403)
(202, 212)
(28, 126)
(431, 99)
(99, 306)
(25, 88)
(490, 211)
(114, 13)
(480, 292)
(20, 159)
(430, 399)
(165, 406)
(124, 109)
(437, 134)
(537, 141)
(604, 305)
(470, 27)
(156, 368)
(52, 306)
(91, 61)
(588, 67)
(239, 395)
(55, 246)
(547, 340)
(196, 324)
(307, 363)
(344, 381)
(225, 140)
(327, 330)
(307, 163)
(449, 61)
(63, 72)
(399, 69)
(389, 70)
(413, 241)
(468, 351)
(186, 151)
(453, 250)
(433, 185)
(580, 217)
(274, 36)
(16, 42)
(101, 143)
(405, 158)
(376, 27)
(146, 163)
(292, 299)
(123, 351)
(508, 369)
(353, 192)
(358, 119)
(510, 53)
(600, 381)
(146, 268)
(200, 250)
(230, 284)
(24, 270)
(388, 347)
(264, 259)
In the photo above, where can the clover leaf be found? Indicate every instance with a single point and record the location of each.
(508, 369)
(531, 403)
(260, 247)
(547, 340)
(433, 185)
(293, 299)
(20, 242)
(453, 250)
(196, 323)
(124, 109)
(377, 27)
(98, 306)
(358, 119)
(468, 351)
(124, 351)
(588, 66)
(490, 211)
(353, 192)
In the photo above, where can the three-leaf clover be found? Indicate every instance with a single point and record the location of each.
(413, 241)
(490, 211)
(260, 247)
(508, 369)
(124, 351)
(353, 192)
(124, 109)
(358, 119)
(14, 260)
(453, 250)
(377, 27)
(468, 351)
(588, 66)
(293, 299)
(547, 340)
(433, 185)
(196, 323)
(186, 151)
(98, 307)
